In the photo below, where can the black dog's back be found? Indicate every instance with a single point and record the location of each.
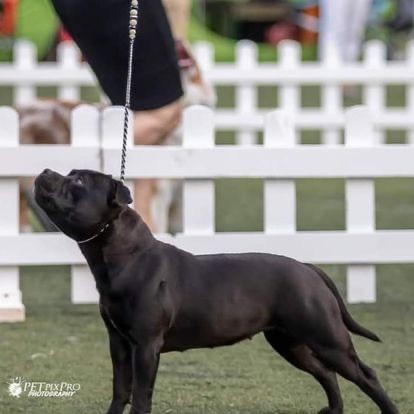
(226, 298)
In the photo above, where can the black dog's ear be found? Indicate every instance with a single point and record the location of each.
(121, 194)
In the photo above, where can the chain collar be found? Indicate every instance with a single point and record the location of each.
(95, 235)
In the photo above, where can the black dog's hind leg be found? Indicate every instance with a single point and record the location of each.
(344, 360)
(121, 355)
(301, 356)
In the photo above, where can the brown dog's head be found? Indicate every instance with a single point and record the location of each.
(81, 203)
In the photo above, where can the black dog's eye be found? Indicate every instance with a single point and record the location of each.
(77, 189)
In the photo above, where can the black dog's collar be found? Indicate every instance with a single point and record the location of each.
(94, 236)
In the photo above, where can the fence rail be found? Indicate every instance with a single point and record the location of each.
(374, 73)
(96, 144)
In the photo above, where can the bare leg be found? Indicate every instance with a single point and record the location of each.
(144, 192)
(152, 128)
(178, 12)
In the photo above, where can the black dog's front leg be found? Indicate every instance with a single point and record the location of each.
(146, 361)
(121, 355)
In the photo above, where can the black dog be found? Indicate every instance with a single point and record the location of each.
(156, 298)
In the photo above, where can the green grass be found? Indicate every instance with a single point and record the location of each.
(37, 22)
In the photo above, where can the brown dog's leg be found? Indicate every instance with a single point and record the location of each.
(301, 357)
(24, 209)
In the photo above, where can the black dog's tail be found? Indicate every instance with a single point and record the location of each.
(350, 323)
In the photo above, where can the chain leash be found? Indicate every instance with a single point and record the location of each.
(133, 23)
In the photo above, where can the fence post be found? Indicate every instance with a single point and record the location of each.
(331, 95)
(25, 58)
(360, 206)
(112, 134)
(289, 55)
(68, 57)
(11, 306)
(204, 54)
(246, 95)
(85, 132)
(410, 90)
(279, 195)
(374, 95)
(198, 194)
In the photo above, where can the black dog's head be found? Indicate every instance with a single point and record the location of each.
(82, 202)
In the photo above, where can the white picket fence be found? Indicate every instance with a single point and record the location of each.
(246, 75)
(96, 142)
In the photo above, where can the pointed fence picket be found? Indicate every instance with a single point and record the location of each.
(85, 132)
(279, 195)
(11, 306)
(25, 61)
(375, 92)
(68, 58)
(410, 92)
(246, 94)
(332, 97)
(289, 92)
(360, 206)
(198, 193)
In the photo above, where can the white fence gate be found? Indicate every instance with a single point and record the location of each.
(279, 162)
(247, 75)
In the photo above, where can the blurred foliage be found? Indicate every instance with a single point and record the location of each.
(37, 22)
(225, 47)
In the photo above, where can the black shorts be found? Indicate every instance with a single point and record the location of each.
(101, 30)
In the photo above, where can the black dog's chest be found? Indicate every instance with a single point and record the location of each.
(118, 314)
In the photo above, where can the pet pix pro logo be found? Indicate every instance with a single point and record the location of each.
(18, 387)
